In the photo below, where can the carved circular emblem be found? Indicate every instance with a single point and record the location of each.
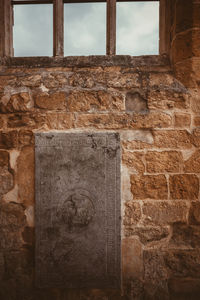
(77, 211)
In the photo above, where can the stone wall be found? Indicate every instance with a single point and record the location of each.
(157, 118)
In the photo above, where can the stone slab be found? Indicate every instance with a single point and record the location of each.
(78, 198)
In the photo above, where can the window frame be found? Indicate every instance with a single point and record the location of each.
(7, 21)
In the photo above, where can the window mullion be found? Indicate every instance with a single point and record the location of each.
(58, 28)
(111, 28)
(6, 24)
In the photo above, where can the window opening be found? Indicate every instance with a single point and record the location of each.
(137, 28)
(33, 30)
(80, 38)
(85, 29)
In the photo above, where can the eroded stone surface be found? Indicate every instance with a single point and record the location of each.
(77, 203)
(25, 178)
(165, 212)
(148, 234)
(149, 187)
(184, 186)
(161, 162)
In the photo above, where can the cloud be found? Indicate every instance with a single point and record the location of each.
(33, 30)
(85, 29)
(137, 28)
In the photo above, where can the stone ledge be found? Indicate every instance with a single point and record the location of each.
(85, 61)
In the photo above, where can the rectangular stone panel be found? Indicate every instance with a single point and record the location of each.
(77, 191)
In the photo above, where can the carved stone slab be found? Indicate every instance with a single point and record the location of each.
(77, 210)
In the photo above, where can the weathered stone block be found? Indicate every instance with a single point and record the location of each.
(155, 275)
(183, 263)
(168, 99)
(184, 186)
(185, 236)
(187, 71)
(148, 234)
(161, 80)
(173, 139)
(8, 140)
(161, 162)
(196, 121)
(194, 215)
(132, 213)
(132, 260)
(4, 159)
(196, 137)
(151, 120)
(136, 103)
(20, 102)
(6, 181)
(129, 81)
(164, 212)
(59, 121)
(26, 137)
(184, 16)
(185, 45)
(12, 220)
(192, 165)
(149, 187)
(134, 160)
(54, 101)
(21, 120)
(84, 79)
(124, 121)
(25, 175)
(80, 205)
(94, 101)
(182, 120)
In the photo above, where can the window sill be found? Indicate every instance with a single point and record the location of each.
(85, 61)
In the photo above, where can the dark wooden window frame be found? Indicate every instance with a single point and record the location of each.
(6, 24)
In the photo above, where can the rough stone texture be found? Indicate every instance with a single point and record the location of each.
(182, 120)
(154, 104)
(4, 159)
(6, 178)
(194, 216)
(25, 178)
(164, 212)
(184, 186)
(183, 263)
(55, 101)
(147, 234)
(12, 220)
(95, 101)
(20, 102)
(155, 276)
(162, 162)
(136, 103)
(134, 160)
(132, 213)
(77, 202)
(168, 99)
(121, 121)
(8, 140)
(132, 264)
(174, 139)
(192, 165)
(149, 187)
(185, 236)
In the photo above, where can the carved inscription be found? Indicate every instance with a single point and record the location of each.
(77, 210)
